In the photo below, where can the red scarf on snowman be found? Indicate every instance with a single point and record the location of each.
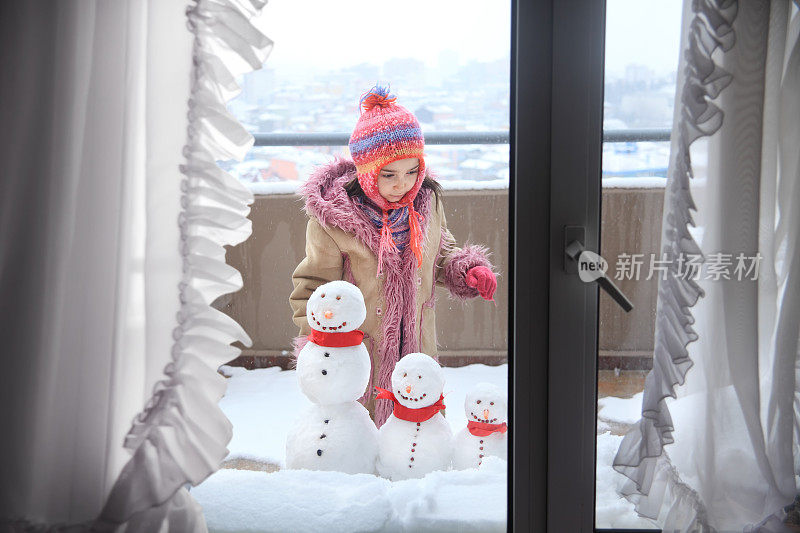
(407, 413)
(336, 339)
(482, 429)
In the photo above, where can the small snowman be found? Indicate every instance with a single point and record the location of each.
(486, 408)
(416, 439)
(333, 370)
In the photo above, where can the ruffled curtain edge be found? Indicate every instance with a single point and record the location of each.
(653, 484)
(181, 436)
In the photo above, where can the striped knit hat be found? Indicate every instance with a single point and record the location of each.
(386, 132)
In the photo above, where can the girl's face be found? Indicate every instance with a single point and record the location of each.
(397, 178)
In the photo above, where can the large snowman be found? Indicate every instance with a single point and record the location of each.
(486, 408)
(333, 370)
(416, 439)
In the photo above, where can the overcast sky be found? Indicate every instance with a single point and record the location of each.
(331, 33)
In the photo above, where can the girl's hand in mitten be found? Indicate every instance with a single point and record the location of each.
(482, 279)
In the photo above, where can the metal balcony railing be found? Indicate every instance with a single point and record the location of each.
(448, 137)
(637, 135)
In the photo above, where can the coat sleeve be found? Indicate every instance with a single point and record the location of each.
(454, 262)
(323, 263)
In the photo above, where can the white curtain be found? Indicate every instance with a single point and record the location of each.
(728, 349)
(114, 216)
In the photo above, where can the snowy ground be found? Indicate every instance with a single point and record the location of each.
(614, 416)
(262, 405)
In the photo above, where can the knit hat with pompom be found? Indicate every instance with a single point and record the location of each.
(386, 132)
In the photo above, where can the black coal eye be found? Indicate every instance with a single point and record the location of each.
(324, 372)
(478, 401)
(319, 452)
(327, 354)
(491, 403)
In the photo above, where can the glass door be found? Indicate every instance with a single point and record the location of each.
(641, 61)
(302, 109)
(609, 117)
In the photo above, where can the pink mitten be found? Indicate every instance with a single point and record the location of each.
(482, 279)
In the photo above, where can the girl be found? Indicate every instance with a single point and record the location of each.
(378, 222)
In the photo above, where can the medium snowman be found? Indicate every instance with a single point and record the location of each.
(333, 370)
(486, 408)
(416, 439)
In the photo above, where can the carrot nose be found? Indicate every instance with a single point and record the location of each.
(328, 314)
(486, 414)
(408, 389)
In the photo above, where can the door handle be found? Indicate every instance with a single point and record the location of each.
(589, 267)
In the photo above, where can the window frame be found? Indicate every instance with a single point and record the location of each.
(556, 145)
(529, 272)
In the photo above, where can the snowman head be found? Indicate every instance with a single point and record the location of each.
(336, 307)
(417, 381)
(486, 403)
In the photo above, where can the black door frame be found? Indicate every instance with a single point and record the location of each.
(556, 145)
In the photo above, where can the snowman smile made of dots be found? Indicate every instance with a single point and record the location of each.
(329, 313)
(408, 390)
(486, 414)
